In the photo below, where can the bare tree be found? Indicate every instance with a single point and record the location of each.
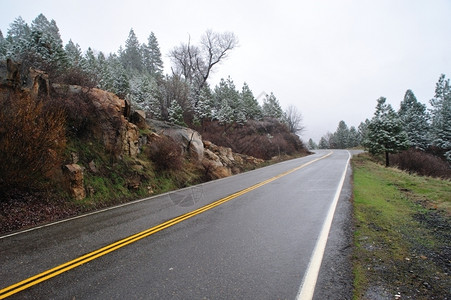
(195, 63)
(294, 119)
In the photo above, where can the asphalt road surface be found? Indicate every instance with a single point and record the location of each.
(249, 236)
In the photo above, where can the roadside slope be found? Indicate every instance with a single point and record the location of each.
(402, 237)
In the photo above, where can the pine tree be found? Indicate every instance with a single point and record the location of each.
(144, 95)
(151, 55)
(272, 108)
(227, 100)
(385, 132)
(46, 49)
(132, 57)
(323, 143)
(18, 39)
(175, 113)
(73, 53)
(312, 145)
(363, 131)
(341, 136)
(414, 118)
(205, 105)
(3, 47)
(354, 138)
(441, 117)
(251, 108)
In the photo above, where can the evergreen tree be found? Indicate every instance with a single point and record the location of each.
(251, 108)
(323, 143)
(385, 132)
(341, 136)
(18, 29)
(272, 108)
(225, 114)
(312, 145)
(46, 50)
(175, 113)
(132, 57)
(18, 39)
(115, 78)
(354, 138)
(144, 95)
(414, 118)
(151, 55)
(3, 47)
(205, 106)
(363, 131)
(441, 117)
(227, 100)
(89, 64)
(74, 54)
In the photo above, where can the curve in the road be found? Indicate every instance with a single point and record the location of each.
(34, 280)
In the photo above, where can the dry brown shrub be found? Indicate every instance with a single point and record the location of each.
(421, 163)
(31, 140)
(262, 139)
(166, 154)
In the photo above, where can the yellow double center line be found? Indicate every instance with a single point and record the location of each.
(29, 282)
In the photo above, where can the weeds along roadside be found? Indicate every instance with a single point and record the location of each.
(402, 234)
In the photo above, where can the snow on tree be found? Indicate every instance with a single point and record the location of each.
(354, 137)
(385, 132)
(312, 145)
(144, 95)
(251, 108)
(46, 45)
(324, 142)
(228, 101)
(151, 56)
(115, 78)
(441, 117)
(341, 136)
(3, 46)
(271, 107)
(414, 118)
(175, 113)
(18, 39)
(73, 53)
(225, 114)
(205, 106)
(131, 57)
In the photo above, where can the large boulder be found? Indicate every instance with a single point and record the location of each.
(189, 139)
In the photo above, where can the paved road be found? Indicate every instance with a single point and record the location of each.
(257, 244)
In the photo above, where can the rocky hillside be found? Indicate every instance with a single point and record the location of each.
(85, 148)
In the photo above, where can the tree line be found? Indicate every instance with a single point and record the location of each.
(412, 126)
(136, 73)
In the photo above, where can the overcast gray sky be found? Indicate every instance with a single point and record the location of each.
(332, 59)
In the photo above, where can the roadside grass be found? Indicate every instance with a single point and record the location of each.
(402, 239)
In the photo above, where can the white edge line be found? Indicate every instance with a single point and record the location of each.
(120, 205)
(307, 287)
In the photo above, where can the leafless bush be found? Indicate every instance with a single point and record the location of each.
(166, 154)
(31, 140)
(76, 76)
(262, 139)
(422, 163)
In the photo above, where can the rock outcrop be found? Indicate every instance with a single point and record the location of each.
(189, 139)
(73, 175)
(220, 162)
(34, 81)
(110, 124)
